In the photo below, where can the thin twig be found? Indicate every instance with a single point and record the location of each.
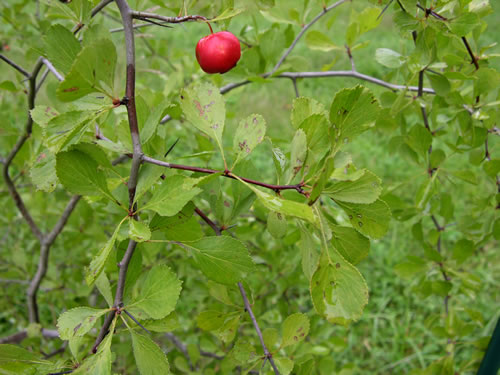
(304, 29)
(295, 87)
(276, 188)
(51, 237)
(207, 220)
(182, 348)
(15, 66)
(136, 321)
(145, 15)
(248, 308)
(53, 70)
(100, 7)
(471, 54)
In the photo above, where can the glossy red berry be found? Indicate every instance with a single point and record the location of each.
(218, 52)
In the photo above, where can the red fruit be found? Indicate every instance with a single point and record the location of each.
(218, 52)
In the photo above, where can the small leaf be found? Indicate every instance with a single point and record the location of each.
(159, 293)
(43, 172)
(78, 321)
(227, 13)
(99, 363)
(102, 284)
(276, 224)
(304, 108)
(389, 58)
(316, 40)
(285, 365)
(222, 259)
(138, 231)
(97, 264)
(295, 328)
(249, 134)
(149, 358)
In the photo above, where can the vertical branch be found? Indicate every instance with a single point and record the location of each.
(248, 308)
(127, 19)
(471, 54)
(27, 133)
(441, 229)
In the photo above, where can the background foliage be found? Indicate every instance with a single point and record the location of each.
(432, 274)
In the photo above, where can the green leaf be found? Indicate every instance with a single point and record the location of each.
(159, 293)
(411, 267)
(276, 224)
(439, 83)
(204, 107)
(249, 134)
(304, 108)
(316, 40)
(99, 363)
(298, 154)
(43, 172)
(338, 290)
(93, 71)
(308, 249)
(389, 58)
(353, 111)
(352, 245)
(15, 360)
(149, 174)
(464, 24)
(492, 167)
(61, 47)
(222, 259)
(285, 207)
(138, 231)
(419, 139)
(78, 321)
(79, 174)
(284, 365)
(166, 324)
(97, 264)
(151, 124)
(172, 195)
(102, 284)
(68, 128)
(295, 328)
(228, 13)
(365, 189)
(8, 86)
(372, 219)
(149, 358)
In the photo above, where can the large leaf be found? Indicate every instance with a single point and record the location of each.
(15, 360)
(338, 290)
(149, 358)
(249, 134)
(78, 321)
(204, 107)
(97, 264)
(351, 244)
(353, 111)
(79, 173)
(159, 293)
(172, 195)
(93, 71)
(371, 219)
(365, 189)
(222, 259)
(61, 47)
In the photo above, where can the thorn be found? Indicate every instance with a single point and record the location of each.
(171, 147)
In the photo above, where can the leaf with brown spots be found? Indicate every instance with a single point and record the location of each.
(78, 321)
(249, 134)
(295, 328)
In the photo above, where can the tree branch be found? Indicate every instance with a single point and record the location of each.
(27, 133)
(248, 308)
(207, 220)
(304, 29)
(16, 338)
(100, 7)
(276, 188)
(145, 16)
(51, 237)
(15, 66)
(52, 69)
